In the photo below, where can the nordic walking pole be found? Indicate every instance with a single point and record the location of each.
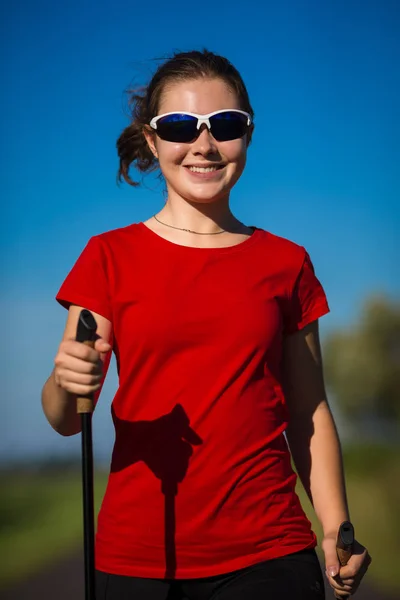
(86, 333)
(344, 545)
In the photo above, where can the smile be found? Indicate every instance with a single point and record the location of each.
(205, 169)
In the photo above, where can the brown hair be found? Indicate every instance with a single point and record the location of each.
(143, 103)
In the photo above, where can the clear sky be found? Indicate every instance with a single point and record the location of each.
(323, 168)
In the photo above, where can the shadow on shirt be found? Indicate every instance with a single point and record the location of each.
(165, 445)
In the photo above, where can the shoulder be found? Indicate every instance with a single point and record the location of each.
(117, 241)
(282, 251)
(120, 234)
(114, 247)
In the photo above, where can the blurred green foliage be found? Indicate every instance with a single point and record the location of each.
(362, 363)
(40, 517)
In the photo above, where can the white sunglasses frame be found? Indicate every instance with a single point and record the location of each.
(200, 118)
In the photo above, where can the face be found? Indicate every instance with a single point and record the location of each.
(177, 160)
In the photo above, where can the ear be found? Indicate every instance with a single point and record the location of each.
(150, 136)
(250, 134)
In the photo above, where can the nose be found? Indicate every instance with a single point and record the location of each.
(205, 143)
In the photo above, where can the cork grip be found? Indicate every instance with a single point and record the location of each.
(86, 334)
(344, 543)
(343, 556)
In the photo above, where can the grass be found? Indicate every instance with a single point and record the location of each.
(40, 519)
(41, 514)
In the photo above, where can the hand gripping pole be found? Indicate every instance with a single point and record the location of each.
(344, 545)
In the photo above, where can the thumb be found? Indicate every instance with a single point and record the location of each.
(102, 346)
(332, 564)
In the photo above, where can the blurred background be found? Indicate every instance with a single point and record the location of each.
(323, 171)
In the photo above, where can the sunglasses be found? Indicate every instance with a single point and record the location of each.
(184, 127)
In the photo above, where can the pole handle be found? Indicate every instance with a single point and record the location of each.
(86, 334)
(344, 545)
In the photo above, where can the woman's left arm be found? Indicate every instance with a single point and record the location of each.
(315, 447)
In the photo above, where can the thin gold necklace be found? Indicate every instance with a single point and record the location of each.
(190, 230)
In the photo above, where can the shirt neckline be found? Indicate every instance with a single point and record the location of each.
(217, 250)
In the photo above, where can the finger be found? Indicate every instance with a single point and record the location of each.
(102, 346)
(338, 585)
(79, 350)
(82, 378)
(356, 568)
(342, 595)
(352, 583)
(330, 555)
(80, 390)
(71, 363)
(333, 570)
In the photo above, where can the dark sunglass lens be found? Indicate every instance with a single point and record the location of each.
(227, 126)
(177, 128)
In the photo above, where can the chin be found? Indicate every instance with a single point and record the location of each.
(206, 197)
(205, 193)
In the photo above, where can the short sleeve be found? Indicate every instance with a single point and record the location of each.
(87, 283)
(306, 300)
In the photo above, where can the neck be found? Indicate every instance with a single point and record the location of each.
(203, 218)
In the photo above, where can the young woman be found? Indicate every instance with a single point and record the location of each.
(214, 326)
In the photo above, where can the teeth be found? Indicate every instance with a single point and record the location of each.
(202, 169)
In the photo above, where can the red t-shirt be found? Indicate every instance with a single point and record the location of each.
(201, 481)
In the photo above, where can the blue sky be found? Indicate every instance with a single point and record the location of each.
(323, 168)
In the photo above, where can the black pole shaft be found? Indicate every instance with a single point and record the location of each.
(88, 505)
(86, 333)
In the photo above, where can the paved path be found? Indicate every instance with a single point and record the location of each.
(64, 581)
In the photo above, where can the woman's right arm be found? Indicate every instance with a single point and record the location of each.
(78, 371)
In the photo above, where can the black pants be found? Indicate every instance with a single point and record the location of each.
(294, 577)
